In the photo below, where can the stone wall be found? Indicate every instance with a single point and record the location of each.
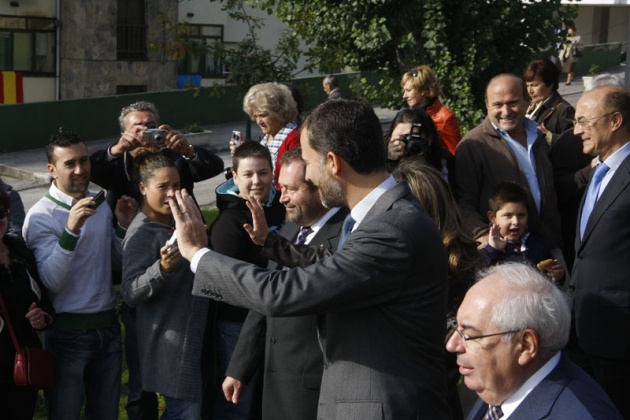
(88, 64)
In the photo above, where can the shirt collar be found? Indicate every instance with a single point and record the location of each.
(531, 130)
(615, 160)
(514, 400)
(62, 197)
(322, 220)
(363, 207)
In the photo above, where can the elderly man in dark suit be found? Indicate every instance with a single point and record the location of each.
(331, 87)
(510, 330)
(383, 291)
(600, 282)
(289, 345)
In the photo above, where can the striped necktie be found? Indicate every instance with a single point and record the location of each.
(494, 412)
(304, 232)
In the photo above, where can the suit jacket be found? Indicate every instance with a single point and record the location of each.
(336, 93)
(482, 161)
(293, 359)
(600, 281)
(566, 393)
(384, 295)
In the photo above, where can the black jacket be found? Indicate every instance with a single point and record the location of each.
(228, 237)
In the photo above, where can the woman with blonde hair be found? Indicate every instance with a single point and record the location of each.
(464, 259)
(275, 111)
(421, 90)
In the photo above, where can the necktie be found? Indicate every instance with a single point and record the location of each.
(346, 229)
(304, 232)
(591, 195)
(494, 412)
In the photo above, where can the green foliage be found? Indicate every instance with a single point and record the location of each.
(193, 128)
(465, 42)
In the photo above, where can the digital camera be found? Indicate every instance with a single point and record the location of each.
(154, 136)
(414, 143)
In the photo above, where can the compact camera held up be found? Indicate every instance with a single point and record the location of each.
(154, 136)
(414, 143)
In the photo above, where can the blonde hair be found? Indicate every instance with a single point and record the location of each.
(430, 188)
(274, 98)
(425, 81)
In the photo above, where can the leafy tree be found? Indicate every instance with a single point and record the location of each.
(465, 42)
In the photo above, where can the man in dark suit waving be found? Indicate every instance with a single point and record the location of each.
(510, 329)
(293, 358)
(383, 291)
(600, 281)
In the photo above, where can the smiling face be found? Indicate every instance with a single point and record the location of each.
(506, 104)
(331, 192)
(413, 96)
(253, 178)
(597, 132)
(302, 204)
(512, 220)
(157, 191)
(70, 168)
(489, 366)
(538, 90)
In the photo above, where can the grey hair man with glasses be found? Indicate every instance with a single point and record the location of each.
(512, 327)
(600, 283)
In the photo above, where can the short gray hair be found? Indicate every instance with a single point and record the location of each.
(331, 80)
(532, 302)
(605, 79)
(140, 106)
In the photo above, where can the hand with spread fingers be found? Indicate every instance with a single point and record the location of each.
(259, 231)
(191, 230)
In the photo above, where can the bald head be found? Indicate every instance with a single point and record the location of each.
(506, 102)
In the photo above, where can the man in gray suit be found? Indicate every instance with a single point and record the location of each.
(289, 345)
(383, 291)
(331, 87)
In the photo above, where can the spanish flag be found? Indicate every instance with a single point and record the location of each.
(11, 91)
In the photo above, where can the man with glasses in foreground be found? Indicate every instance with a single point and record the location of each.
(512, 325)
(600, 281)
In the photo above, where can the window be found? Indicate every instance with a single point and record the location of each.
(124, 89)
(131, 41)
(27, 45)
(200, 59)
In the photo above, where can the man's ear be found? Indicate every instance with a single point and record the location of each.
(334, 163)
(528, 346)
(52, 170)
(616, 121)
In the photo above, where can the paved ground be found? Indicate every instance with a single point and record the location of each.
(26, 170)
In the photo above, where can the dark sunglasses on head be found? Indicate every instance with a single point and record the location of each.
(414, 72)
(3, 213)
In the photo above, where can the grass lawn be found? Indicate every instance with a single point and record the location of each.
(40, 410)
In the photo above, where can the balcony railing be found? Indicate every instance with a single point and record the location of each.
(131, 42)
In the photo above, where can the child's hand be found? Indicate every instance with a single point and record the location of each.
(494, 238)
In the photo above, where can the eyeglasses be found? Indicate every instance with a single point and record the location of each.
(586, 122)
(3, 213)
(470, 339)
